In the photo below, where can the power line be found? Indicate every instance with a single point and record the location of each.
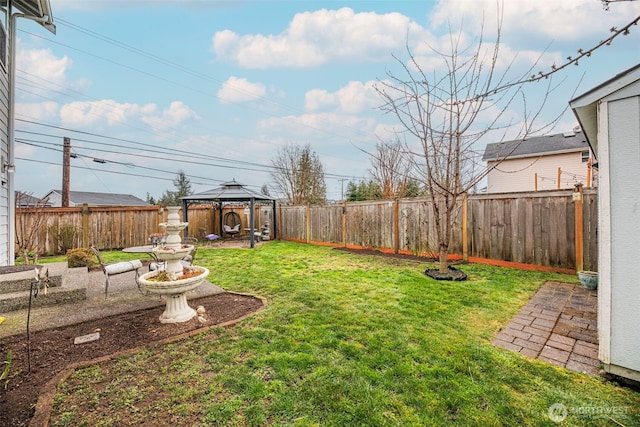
(250, 166)
(102, 170)
(43, 144)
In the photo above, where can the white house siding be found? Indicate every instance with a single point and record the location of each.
(624, 158)
(519, 174)
(4, 187)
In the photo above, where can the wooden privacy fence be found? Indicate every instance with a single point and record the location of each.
(114, 227)
(548, 228)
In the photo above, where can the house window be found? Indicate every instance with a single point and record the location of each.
(585, 156)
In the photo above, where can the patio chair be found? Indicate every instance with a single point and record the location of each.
(232, 231)
(116, 268)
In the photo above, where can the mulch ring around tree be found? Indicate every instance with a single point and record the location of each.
(452, 274)
(53, 354)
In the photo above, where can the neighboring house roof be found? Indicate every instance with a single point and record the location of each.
(585, 106)
(77, 198)
(536, 146)
(26, 200)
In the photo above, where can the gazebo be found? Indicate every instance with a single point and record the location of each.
(228, 192)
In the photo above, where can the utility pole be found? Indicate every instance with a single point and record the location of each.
(66, 171)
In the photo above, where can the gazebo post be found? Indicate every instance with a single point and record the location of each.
(185, 216)
(220, 218)
(251, 221)
(274, 226)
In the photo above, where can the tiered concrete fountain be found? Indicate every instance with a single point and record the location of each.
(167, 281)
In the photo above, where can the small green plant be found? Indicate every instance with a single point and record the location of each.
(81, 257)
(5, 372)
(160, 277)
(64, 236)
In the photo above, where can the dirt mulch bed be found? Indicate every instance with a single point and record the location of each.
(53, 351)
(374, 252)
(406, 257)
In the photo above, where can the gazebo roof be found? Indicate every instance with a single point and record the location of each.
(231, 191)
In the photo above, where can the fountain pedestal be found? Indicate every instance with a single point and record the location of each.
(168, 281)
(177, 310)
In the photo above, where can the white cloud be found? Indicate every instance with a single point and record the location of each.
(353, 98)
(37, 110)
(324, 126)
(42, 74)
(315, 38)
(88, 113)
(389, 132)
(565, 20)
(237, 90)
(516, 61)
(42, 65)
(25, 151)
(177, 114)
(112, 113)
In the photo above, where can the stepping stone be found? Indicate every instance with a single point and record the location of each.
(87, 338)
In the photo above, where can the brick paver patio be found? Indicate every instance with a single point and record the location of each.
(557, 326)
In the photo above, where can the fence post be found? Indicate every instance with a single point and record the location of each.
(279, 223)
(308, 222)
(85, 225)
(344, 223)
(579, 225)
(396, 225)
(465, 237)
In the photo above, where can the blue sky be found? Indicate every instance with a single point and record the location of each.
(215, 88)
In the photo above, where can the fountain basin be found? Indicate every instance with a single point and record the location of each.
(166, 253)
(177, 309)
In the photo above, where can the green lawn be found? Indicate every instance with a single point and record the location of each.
(345, 340)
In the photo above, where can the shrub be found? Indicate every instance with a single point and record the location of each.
(64, 236)
(81, 257)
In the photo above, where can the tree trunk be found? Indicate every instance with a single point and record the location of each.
(25, 256)
(444, 265)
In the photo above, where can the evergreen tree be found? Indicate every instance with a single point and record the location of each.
(183, 188)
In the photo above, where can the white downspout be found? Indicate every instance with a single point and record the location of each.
(11, 198)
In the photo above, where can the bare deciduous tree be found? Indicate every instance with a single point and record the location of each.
(27, 231)
(449, 111)
(299, 174)
(390, 168)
